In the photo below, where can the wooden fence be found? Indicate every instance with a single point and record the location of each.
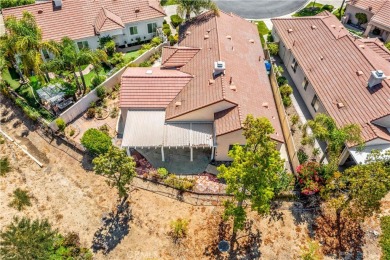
(284, 121)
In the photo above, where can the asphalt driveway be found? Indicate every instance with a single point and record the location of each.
(260, 9)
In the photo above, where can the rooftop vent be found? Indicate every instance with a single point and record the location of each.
(359, 72)
(340, 105)
(290, 30)
(233, 87)
(376, 78)
(57, 3)
(362, 46)
(265, 104)
(219, 68)
(188, 32)
(313, 27)
(178, 103)
(40, 11)
(321, 57)
(229, 37)
(206, 36)
(369, 8)
(252, 41)
(149, 72)
(208, 30)
(211, 81)
(137, 10)
(333, 26)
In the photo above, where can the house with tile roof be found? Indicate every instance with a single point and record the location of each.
(339, 75)
(129, 22)
(378, 16)
(203, 91)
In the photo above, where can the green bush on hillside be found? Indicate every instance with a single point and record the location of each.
(96, 141)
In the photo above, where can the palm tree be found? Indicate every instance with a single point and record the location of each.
(324, 128)
(24, 38)
(186, 7)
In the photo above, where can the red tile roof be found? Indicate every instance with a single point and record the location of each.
(378, 47)
(177, 56)
(150, 87)
(382, 17)
(331, 58)
(235, 41)
(380, 9)
(369, 5)
(76, 19)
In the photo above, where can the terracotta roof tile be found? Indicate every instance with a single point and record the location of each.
(177, 56)
(378, 47)
(382, 17)
(330, 59)
(76, 19)
(234, 41)
(106, 20)
(369, 5)
(150, 87)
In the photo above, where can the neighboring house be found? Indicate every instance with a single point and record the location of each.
(128, 22)
(203, 91)
(339, 75)
(378, 16)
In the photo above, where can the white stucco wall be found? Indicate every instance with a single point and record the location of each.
(224, 141)
(204, 114)
(298, 78)
(352, 11)
(122, 35)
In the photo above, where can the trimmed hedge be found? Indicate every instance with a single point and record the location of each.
(176, 20)
(95, 141)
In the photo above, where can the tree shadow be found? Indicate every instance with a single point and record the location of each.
(246, 246)
(352, 236)
(275, 214)
(306, 211)
(115, 228)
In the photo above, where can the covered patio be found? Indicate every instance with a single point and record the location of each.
(147, 132)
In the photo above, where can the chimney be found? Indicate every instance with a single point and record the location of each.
(57, 4)
(219, 68)
(376, 78)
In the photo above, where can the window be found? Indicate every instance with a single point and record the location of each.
(315, 103)
(133, 30)
(152, 27)
(82, 45)
(46, 54)
(294, 65)
(305, 83)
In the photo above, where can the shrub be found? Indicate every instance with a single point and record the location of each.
(101, 91)
(60, 124)
(273, 48)
(282, 81)
(166, 26)
(162, 172)
(97, 80)
(72, 132)
(294, 119)
(114, 112)
(116, 59)
(103, 40)
(286, 101)
(361, 17)
(309, 177)
(387, 45)
(165, 22)
(285, 90)
(156, 41)
(302, 156)
(91, 112)
(179, 183)
(4, 166)
(176, 20)
(316, 151)
(328, 8)
(105, 129)
(179, 229)
(96, 141)
(21, 199)
(109, 47)
(270, 38)
(312, 251)
(167, 32)
(384, 240)
(173, 39)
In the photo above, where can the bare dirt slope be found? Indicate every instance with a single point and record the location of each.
(74, 199)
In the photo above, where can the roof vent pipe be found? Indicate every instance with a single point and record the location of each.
(57, 3)
(219, 68)
(376, 78)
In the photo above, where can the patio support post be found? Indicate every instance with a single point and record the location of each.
(128, 151)
(192, 154)
(162, 154)
(368, 30)
(212, 152)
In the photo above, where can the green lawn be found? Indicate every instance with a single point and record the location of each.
(11, 77)
(131, 54)
(337, 12)
(310, 10)
(262, 28)
(168, 2)
(88, 77)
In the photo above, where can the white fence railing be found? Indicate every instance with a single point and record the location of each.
(83, 103)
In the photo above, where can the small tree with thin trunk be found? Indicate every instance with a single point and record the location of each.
(186, 7)
(255, 173)
(118, 167)
(359, 190)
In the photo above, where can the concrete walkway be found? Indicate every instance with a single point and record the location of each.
(87, 70)
(2, 26)
(300, 106)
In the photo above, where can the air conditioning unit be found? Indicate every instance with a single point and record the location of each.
(219, 68)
